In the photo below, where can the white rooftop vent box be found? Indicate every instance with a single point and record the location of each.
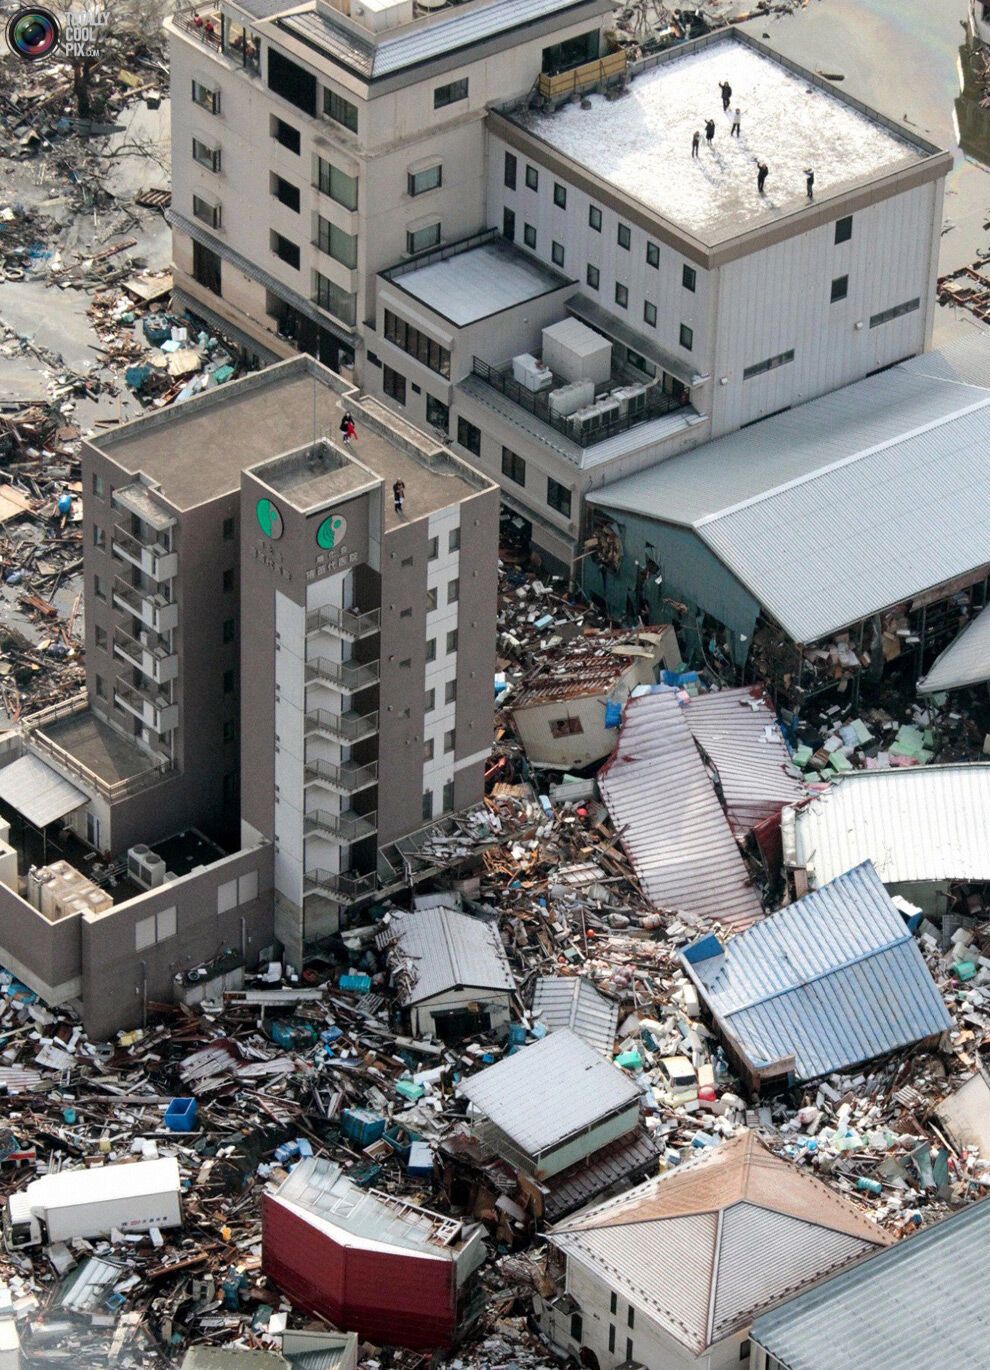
(531, 373)
(378, 15)
(571, 397)
(577, 352)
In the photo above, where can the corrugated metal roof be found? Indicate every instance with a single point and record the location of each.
(573, 1002)
(922, 1303)
(674, 831)
(913, 823)
(966, 661)
(442, 949)
(834, 979)
(84, 1290)
(547, 1092)
(627, 1158)
(38, 792)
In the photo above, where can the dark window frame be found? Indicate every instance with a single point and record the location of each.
(513, 467)
(843, 229)
(840, 289)
(559, 195)
(341, 110)
(510, 171)
(689, 278)
(685, 337)
(451, 93)
(468, 435)
(559, 497)
(415, 343)
(394, 384)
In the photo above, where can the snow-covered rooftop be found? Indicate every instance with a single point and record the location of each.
(641, 143)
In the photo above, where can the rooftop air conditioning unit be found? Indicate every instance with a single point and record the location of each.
(596, 417)
(531, 373)
(631, 398)
(569, 398)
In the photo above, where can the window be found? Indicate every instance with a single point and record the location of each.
(592, 276)
(101, 687)
(335, 183)
(422, 239)
(228, 630)
(509, 225)
(509, 171)
(840, 288)
(99, 536)
(629, 1348)
(206, 156)
(529, 236)
(406, 613)
(341, 111)
(621, 295)
(513, 466)
(572, 52)
(454, 540)
(468, 436)
(404, 665)
(100, 637)
(450, 94)
(155, 928)
(206, 212)
(595, 218)
(206, 267)
(287, 251)
(450, 740)
(228, 579)
(451, 641)
(206, 97)
(559, 195)
(416, 344)
(745, 1349)
(624, 236)
(689, 278)
(431, 653)
(286, 135)
(611, 1337)
(428, 749)
(438, 414)
(613, 1304)
(686, 337)
(650, 313)
(557, 253)
(576, 1327)
(329, 296)
(228, 529)
(771, 364)
(286, 193)
(427, 804)
(450, 692)
(886, 315)
(558, 497)
(432, 599)
(631, 1316)
(432, 549)
(453, 590)
(98, 486)
(430, 702)
(448, 796)
(228, 682)
(99, 590)
(241, 45)
(394, 384)
(566, 727)
(341, 246)
(843, 229)
(652, 255)
(419, 182)
(292, 82)
(532, 178)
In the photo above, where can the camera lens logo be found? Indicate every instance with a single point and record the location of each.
(33, 34)
(331, 532)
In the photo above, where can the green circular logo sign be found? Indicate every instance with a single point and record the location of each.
(269, 519)
(331, 532)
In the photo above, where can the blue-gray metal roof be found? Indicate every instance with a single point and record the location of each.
(834, 979)
(966, 660)
(919, 1304)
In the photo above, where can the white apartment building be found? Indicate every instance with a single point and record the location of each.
(429, 205)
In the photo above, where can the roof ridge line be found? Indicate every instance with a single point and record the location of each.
(821, 975)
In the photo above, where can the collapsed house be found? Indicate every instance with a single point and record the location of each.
(299, 1351)
(573, 1002)
(822, 985)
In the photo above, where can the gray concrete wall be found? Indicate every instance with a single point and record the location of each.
(47, 956)
(400, 740)
(476, 634)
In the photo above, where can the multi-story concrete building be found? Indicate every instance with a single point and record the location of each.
(285, 675)
(559, 286)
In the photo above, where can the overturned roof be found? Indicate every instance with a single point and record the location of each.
(439, 949)
(913, 823)
(590, 667)
(561, 1001)
(900, 1308)
(691, 1247)
(966, 660)
(827, 983)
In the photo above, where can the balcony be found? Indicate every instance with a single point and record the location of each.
(345, 623)
(155, 711)
(153, 559)
(342, 827)
(207, 27)
(342, 885)
(345, 778)
(342, 675)
(154, 611)
(346, 727)
(152, 657)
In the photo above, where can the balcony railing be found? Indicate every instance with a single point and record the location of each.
(347, 623)
(341, 885)
(33, 728)
(349, 727)
(347, 826)
(346, 777)
(152, 558)
(656, 403)
(153, 657)
(154, 710)
(155, 611)
(208, 28)
(345, 675)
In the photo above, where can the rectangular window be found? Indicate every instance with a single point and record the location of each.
(576, 1327)
(229, 730)
(686, 337)
(843, 229)
(454, 540)
(771, 364)
(432, 599)
(448, 797)
(427, 804)
(611, 1338)
(394, 385)
(566, 727)
(228, 682)
(98, 486)
(241, 45)
(101, 687)
(595, 218)
(99, 536)
(453, 590)
(840, 289)
(428, 749)
(744, 1349)
(341, 111)
(422, 239)
(228, 579)
(206, 267)
(206, 97)
(557, 253)
(450, 740)
(592, 276)
(329, 296)
(529, 236)
(886, 315)
(450, 692)
(559, 195)
(629, 1348)
(450, 94)
(285, 250)
(206, 212)
(100, 637)
(228, 630)
(431, 653)
(558, 497)
(652, 254)
(509, 171)
(532, 178)
(419, 182)
(621, 295)
(613, 1304)
(432, 549)
(330, 180)
(341, 246)
(417, 344)
(624, 236)
(98, 588)
(292, 82)
(430, 702)
(451, 641)
(509, 225)
(631, 1316)
(286, 193)
(286, 135)
(689, 278)
(206, 156)
(228, 530)
(513, 466)
(438, 414)
(468, 436)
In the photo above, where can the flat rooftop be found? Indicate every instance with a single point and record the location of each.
(472, 285)
(310, 477)
(100, 748)
(641, 143)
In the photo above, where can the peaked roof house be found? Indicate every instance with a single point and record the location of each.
(572, 1001)
(673, 1272)
(820, 986)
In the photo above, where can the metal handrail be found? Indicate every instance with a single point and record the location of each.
(157, 649)
(33, 727)
(351, 675)
(135, 546)
(212, 40)
(128, 691)
(345, 776)
(350, 826)
(131, 595)
(347, 621)
(346, 883)
(339, 725)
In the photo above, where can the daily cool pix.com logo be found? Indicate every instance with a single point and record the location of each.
(34, 34)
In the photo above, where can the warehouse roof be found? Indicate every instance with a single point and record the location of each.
(893, 462)
(918, 1304)
(913, 823)
(439, 949)
(966, 660)
(549, 1091)
(571, 1001)
(832, 980)
(705, 1246)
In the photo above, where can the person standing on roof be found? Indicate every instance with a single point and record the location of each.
(809, 180)
(762, 172)
(695, 143)
(736, 129)
(399, 495)
(726, 90)
(709, 131)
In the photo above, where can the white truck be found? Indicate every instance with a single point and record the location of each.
(130, 1196)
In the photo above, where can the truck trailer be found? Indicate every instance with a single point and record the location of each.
(126, 1197)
